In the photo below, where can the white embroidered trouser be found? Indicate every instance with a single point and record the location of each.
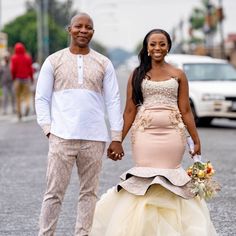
(61, 157)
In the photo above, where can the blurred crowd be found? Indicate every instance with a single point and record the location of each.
(18, 78)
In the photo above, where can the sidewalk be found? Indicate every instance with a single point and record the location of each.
(12, 118)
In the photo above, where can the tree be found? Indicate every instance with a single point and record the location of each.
(24, 28)
(28, 33)
(60, 12)
(205, 18)
(197, 19)
(204, 21)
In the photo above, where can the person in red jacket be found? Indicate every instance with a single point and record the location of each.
(22, 75)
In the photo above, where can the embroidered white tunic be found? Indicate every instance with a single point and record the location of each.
(73, 92)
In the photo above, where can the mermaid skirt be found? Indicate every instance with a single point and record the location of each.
(153, 198)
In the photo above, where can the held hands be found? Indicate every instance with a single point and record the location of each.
(115, 151)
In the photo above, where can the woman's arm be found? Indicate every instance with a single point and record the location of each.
(186, 112)
(130, 109)
(128, 116)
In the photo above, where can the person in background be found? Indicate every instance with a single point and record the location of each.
(75, 87)
(7, 86)
(22, 75)
(36, 70)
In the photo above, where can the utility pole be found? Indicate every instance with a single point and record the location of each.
(181, 24)
(39, 31)
(221, 30)
(0, 15)
(208, 31)
(45, 29)
(42, 29)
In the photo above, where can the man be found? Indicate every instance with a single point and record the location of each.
(73, 85)
(22, 75)
(7, 85)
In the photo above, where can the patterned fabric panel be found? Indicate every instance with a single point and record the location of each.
(160, 92)
(66, 67)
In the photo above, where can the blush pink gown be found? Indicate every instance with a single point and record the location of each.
(152, 198)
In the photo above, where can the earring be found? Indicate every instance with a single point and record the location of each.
(148, 53)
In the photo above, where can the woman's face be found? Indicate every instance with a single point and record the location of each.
(157, 46)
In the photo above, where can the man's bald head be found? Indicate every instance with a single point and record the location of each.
(82, 14)
(81, 32)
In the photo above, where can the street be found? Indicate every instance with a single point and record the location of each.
(23, 157)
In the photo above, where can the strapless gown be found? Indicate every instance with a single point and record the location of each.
(153, 198)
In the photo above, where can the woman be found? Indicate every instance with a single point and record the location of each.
(154, 199)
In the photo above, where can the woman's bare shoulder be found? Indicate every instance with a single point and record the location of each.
(176, 72)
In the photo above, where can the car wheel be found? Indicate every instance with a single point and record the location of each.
(196, 119)
(203, 121)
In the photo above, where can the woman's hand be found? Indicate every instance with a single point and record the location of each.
(196, 151)
(115, 151)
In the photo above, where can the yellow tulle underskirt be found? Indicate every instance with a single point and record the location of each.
(158, 213)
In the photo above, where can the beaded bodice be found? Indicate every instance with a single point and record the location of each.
(157, 93)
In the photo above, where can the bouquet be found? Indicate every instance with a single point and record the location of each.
(201, 173)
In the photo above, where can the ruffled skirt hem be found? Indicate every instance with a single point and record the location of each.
(138, 180)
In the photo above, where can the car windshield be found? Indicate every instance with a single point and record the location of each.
(210, 71)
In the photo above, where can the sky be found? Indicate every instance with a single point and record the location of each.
(124, 23)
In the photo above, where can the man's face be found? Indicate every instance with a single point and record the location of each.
(81, 31)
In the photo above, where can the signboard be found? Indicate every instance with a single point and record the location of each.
(3, 44)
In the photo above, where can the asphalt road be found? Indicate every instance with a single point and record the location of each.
(23, 157)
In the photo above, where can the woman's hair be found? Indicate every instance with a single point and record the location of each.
(144, 66)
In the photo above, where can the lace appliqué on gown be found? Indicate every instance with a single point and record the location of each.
(159, 94)
(177, 123)
(142, 121)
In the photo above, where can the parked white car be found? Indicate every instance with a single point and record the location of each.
(212, 86)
